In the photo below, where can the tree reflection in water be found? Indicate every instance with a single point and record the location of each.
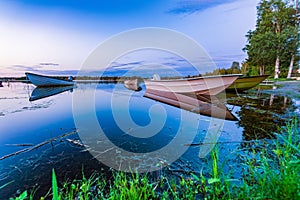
(261, 115)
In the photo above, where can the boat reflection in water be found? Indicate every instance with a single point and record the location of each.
(203, 105)
(43, 92)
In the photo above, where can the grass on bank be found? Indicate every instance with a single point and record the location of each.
(273, 172)
(270, 173)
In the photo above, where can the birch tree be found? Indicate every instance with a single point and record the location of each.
(294, 38)
(274, 38)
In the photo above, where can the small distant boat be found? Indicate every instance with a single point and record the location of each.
(47, 81)
(244, 83)
(201, 106)
(43, 92)
(132, 84)
(207, 85)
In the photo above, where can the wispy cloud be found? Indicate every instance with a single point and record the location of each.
(49, 64)
(192, 6)
(125, 66)
(25, 68)
(40, 66)
(19, 70)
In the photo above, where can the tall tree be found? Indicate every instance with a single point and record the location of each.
(261, 50)
(272, 37)
(294, 38)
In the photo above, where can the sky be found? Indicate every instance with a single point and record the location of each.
(56, 37)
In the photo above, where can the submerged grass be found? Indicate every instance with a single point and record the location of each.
(6, 184)
(269, 173)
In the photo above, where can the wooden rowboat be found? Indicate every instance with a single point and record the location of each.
(245, 83)
(47, 81)
(208, 85)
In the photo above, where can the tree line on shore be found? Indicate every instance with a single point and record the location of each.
(273, 46)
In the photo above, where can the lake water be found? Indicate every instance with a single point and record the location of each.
(71, 142)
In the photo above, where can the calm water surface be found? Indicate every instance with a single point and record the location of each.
(24, 123)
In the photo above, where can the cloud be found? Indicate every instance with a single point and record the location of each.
(125, 66)
(40, 66)
(19, 70)
(192, 6)
(25, 68)
(47, 64)
(58, 72)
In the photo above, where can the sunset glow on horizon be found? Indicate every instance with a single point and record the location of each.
(64, 33)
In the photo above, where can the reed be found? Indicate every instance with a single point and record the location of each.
(133, 187)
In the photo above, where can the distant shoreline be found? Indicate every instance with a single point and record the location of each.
(76, 79)
(83, 79)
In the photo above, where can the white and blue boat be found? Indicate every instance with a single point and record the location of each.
(47, 81)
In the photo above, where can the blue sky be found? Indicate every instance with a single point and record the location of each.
(51, 36)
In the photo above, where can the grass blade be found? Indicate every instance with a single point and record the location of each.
(22, 196)
(54, 186)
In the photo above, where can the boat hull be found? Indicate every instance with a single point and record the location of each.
(208, 86)
(245, 83)
(47, 81)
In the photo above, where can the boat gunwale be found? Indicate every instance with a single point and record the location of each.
(195, 78)
(257, 76)
(245, 83)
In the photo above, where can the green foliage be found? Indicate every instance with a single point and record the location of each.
(133, 187)
(22, 196)
(84, 188)
(275, 36)
(274, 174)
(234, 69)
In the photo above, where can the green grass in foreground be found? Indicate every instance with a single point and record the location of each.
(271, 173)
